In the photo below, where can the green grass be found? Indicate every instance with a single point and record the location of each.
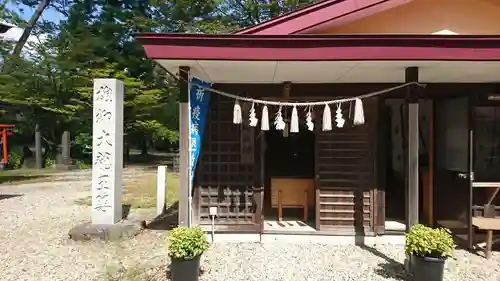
(23, 175)
(140, 192)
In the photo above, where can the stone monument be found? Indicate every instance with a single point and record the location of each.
(107, 166)
(107, 151)
(63, 161)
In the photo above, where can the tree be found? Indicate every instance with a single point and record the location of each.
(42, 5)
(92, 45)
(244, 13)
(53, 85)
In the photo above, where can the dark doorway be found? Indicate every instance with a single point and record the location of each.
(485, 193)
(395, 140)
(486, 154)
(486, 125)
(289, 174)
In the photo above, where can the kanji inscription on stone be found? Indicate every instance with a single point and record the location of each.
(107, 151)
(104, 94)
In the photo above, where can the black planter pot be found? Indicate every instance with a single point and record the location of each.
(185, 270)
(427, 269)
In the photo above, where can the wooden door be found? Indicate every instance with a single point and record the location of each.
(345, 175)
(486, 152)
(453, 167)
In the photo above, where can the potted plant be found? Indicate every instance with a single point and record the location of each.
(428, 249)
(185, 246)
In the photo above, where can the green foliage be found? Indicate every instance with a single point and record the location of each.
(49, 163)
(15, 158)
(51, 85)
(186, 243)
(424, 241)
(250, 12)
(82, 165)
(84, 142)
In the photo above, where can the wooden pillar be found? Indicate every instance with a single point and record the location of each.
(184, 172)
(412, 153)
(430, 190)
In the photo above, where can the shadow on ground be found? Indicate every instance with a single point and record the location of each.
(390, 268)
(8, 196)
(477, 250)
(167, 220)
(126, 210)
(19, 178)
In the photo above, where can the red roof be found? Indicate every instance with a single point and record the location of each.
(320, 47)
(321, 15)
(284, 39)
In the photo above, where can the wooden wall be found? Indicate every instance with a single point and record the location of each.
(346, 188)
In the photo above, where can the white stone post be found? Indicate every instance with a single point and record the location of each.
(161, 189)
(107, 151)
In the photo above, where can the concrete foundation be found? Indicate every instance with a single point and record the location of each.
(306, 238)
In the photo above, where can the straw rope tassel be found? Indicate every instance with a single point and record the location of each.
(237, 119)
(264, 122)
(294, 123)
(253, 119)
(327, 118)
(359, 115)
(309, 122)
(279, 123)
(339, 117)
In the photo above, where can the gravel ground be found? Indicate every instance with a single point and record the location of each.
(35, 246)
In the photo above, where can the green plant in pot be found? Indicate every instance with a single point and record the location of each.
(185, 246)
(429, 248)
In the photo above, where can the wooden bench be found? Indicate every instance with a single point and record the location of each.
(292, 193)
(490, 225)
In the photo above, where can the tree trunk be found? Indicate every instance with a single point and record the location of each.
(31, 24)
(144, 146)
(126, 154)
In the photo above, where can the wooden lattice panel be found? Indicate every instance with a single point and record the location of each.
(222, 180)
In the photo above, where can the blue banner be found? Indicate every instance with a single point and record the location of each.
(199, 100)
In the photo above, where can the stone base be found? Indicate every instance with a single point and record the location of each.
(111, 232)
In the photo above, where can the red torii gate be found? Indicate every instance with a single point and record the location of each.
(5, 132)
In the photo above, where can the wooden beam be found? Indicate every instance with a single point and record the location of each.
(184, 166)
(411, 154)
(430, 151)
(286, 89)
(286, 95)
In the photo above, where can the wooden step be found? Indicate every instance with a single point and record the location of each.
(342, 203)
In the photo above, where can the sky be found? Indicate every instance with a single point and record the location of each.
(49, 14)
